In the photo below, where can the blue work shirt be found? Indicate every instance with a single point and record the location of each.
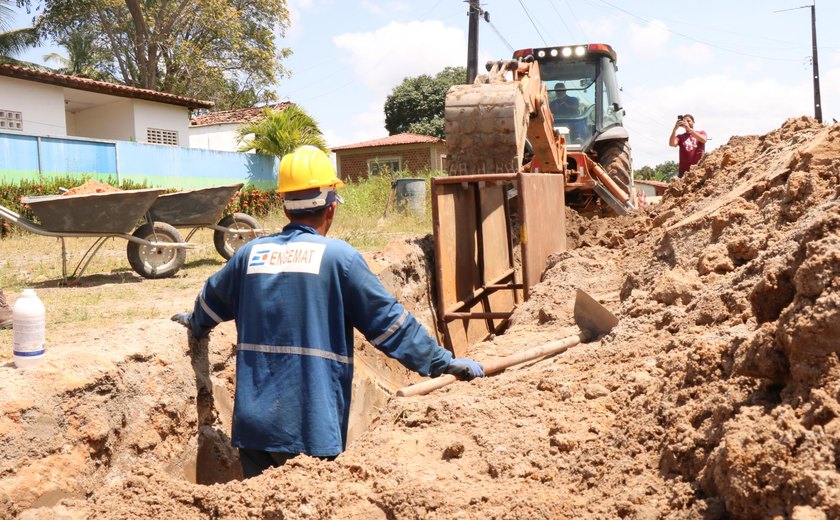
(296, 297)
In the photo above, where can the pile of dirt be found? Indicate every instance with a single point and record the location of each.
(91, 186)
(716, 396)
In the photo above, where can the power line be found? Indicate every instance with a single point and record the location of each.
(585, 37)
(499, 34)
(562, 20)
(687, 37)
(528, 14)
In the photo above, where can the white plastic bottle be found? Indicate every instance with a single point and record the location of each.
(29, 324)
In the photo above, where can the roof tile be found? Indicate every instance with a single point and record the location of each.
(239, 115)
(405, 138)
(101, 87)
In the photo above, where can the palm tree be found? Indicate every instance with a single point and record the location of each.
(80, 60)
(280, 132)
(13, 41)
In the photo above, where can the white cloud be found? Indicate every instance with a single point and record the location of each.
(296, 30)
(383, 58)
(366, 123)
(695, 53)
(722, 106)
(298, 5)
(649, 40)
(386, 9)
(830, 94)
(369, 124)
(604, 29)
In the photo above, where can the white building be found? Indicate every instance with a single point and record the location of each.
(218, 130)
(37, 102)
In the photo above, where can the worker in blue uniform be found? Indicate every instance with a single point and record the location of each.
(296, 297)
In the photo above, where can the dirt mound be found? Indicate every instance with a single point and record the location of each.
(716, 396)
(91, 186)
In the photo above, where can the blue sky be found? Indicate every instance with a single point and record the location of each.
(739, 67)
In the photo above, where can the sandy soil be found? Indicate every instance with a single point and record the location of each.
(716, 396)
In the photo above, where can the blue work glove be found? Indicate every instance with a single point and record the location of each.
(185, 319)
(464, 369)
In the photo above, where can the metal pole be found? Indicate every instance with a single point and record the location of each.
(117, 161)
(40, 159)
(472, 42)
(817, 103)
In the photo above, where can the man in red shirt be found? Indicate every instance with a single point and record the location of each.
(692, 143)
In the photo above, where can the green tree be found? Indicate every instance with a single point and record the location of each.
(661, 172)
(221, 50)
(81, 57)
(280, 132)
(13, 41)
(417, 104)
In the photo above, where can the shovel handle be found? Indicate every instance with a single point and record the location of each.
(426, 386)
(494, 366)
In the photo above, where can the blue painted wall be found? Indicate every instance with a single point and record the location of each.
(155, 165)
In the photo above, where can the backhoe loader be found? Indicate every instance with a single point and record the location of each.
(512, 119)
(516, 156)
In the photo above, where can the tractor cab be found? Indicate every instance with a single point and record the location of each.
(582, 91)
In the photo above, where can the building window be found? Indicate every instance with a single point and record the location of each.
(11, 120)
(158, 136)
(384, 165)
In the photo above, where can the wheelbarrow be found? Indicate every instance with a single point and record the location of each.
(154, 250)
(200, 208)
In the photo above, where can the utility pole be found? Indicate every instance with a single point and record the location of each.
(817, 103)
(814, 61)
(472, 42)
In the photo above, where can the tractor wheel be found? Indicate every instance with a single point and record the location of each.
(155, 261)
(242, 228)
(615, 158)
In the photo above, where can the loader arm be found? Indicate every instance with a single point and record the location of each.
(488, 122)
(549, 148)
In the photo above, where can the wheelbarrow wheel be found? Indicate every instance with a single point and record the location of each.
(155, 261)
(242, 230)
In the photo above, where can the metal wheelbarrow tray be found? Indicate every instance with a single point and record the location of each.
(202, 208)
(155, 250)
(99, 213)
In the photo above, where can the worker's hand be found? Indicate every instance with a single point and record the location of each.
(185, 319)
(465, 369)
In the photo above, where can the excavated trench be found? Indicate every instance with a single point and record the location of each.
(716, 396)
(96, 410)
(405, 269)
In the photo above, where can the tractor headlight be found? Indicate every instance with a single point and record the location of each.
(567, 51)
(580, 51)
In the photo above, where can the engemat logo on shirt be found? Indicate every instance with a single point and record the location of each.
(294, 257)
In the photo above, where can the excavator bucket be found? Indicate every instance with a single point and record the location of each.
(485, 128)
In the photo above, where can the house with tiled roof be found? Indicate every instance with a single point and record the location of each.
(218, 130)
(411, 152)
(43, 103)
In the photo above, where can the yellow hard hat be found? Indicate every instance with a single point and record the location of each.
(306, 168)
